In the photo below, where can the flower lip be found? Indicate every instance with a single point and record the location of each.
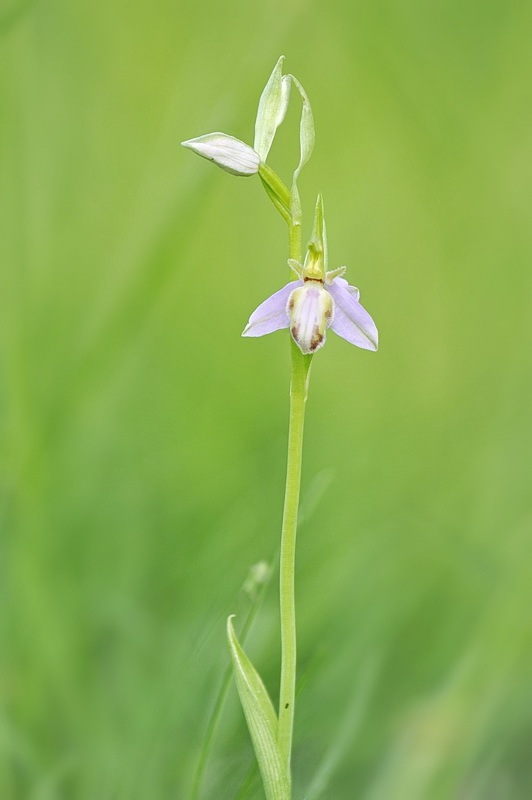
(311, 309)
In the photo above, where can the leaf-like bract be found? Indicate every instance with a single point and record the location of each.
(306, 145)
(272, 109)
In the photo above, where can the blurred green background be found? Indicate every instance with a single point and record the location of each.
(143, 441)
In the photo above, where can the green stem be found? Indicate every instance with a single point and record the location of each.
(276, 191)
(300, 366)
(298, 397)
(294, 240)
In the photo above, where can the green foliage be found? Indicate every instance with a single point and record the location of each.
(306, 146)
(271, 112)
(261, 720)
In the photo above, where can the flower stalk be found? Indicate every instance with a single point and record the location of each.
(299, 378)
(300, 373)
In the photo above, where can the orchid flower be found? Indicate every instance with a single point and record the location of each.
(308, 306)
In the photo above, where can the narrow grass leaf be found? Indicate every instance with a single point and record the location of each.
(254, 588)
(351, 725)
(261, 719)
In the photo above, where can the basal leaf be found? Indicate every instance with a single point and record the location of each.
(261, 719)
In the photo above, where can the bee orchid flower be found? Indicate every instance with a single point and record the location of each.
(318, 300)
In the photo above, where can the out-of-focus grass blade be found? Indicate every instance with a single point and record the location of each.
(9, 18)
(261, 719)
(350, 726)
(254, 587)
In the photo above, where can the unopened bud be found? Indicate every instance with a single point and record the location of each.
(228, 153)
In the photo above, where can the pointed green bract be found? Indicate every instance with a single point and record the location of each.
(306, 145)
(272, 109)
(271, 112)
(318, 240)
(261, 719)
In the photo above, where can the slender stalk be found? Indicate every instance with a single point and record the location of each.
(298, 396)
(300, 366)
(294, 240)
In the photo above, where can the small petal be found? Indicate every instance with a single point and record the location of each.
(339, 272)
(351, 321)
(232, 155)
(310, 308)
(296, 267)
(271, 315)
